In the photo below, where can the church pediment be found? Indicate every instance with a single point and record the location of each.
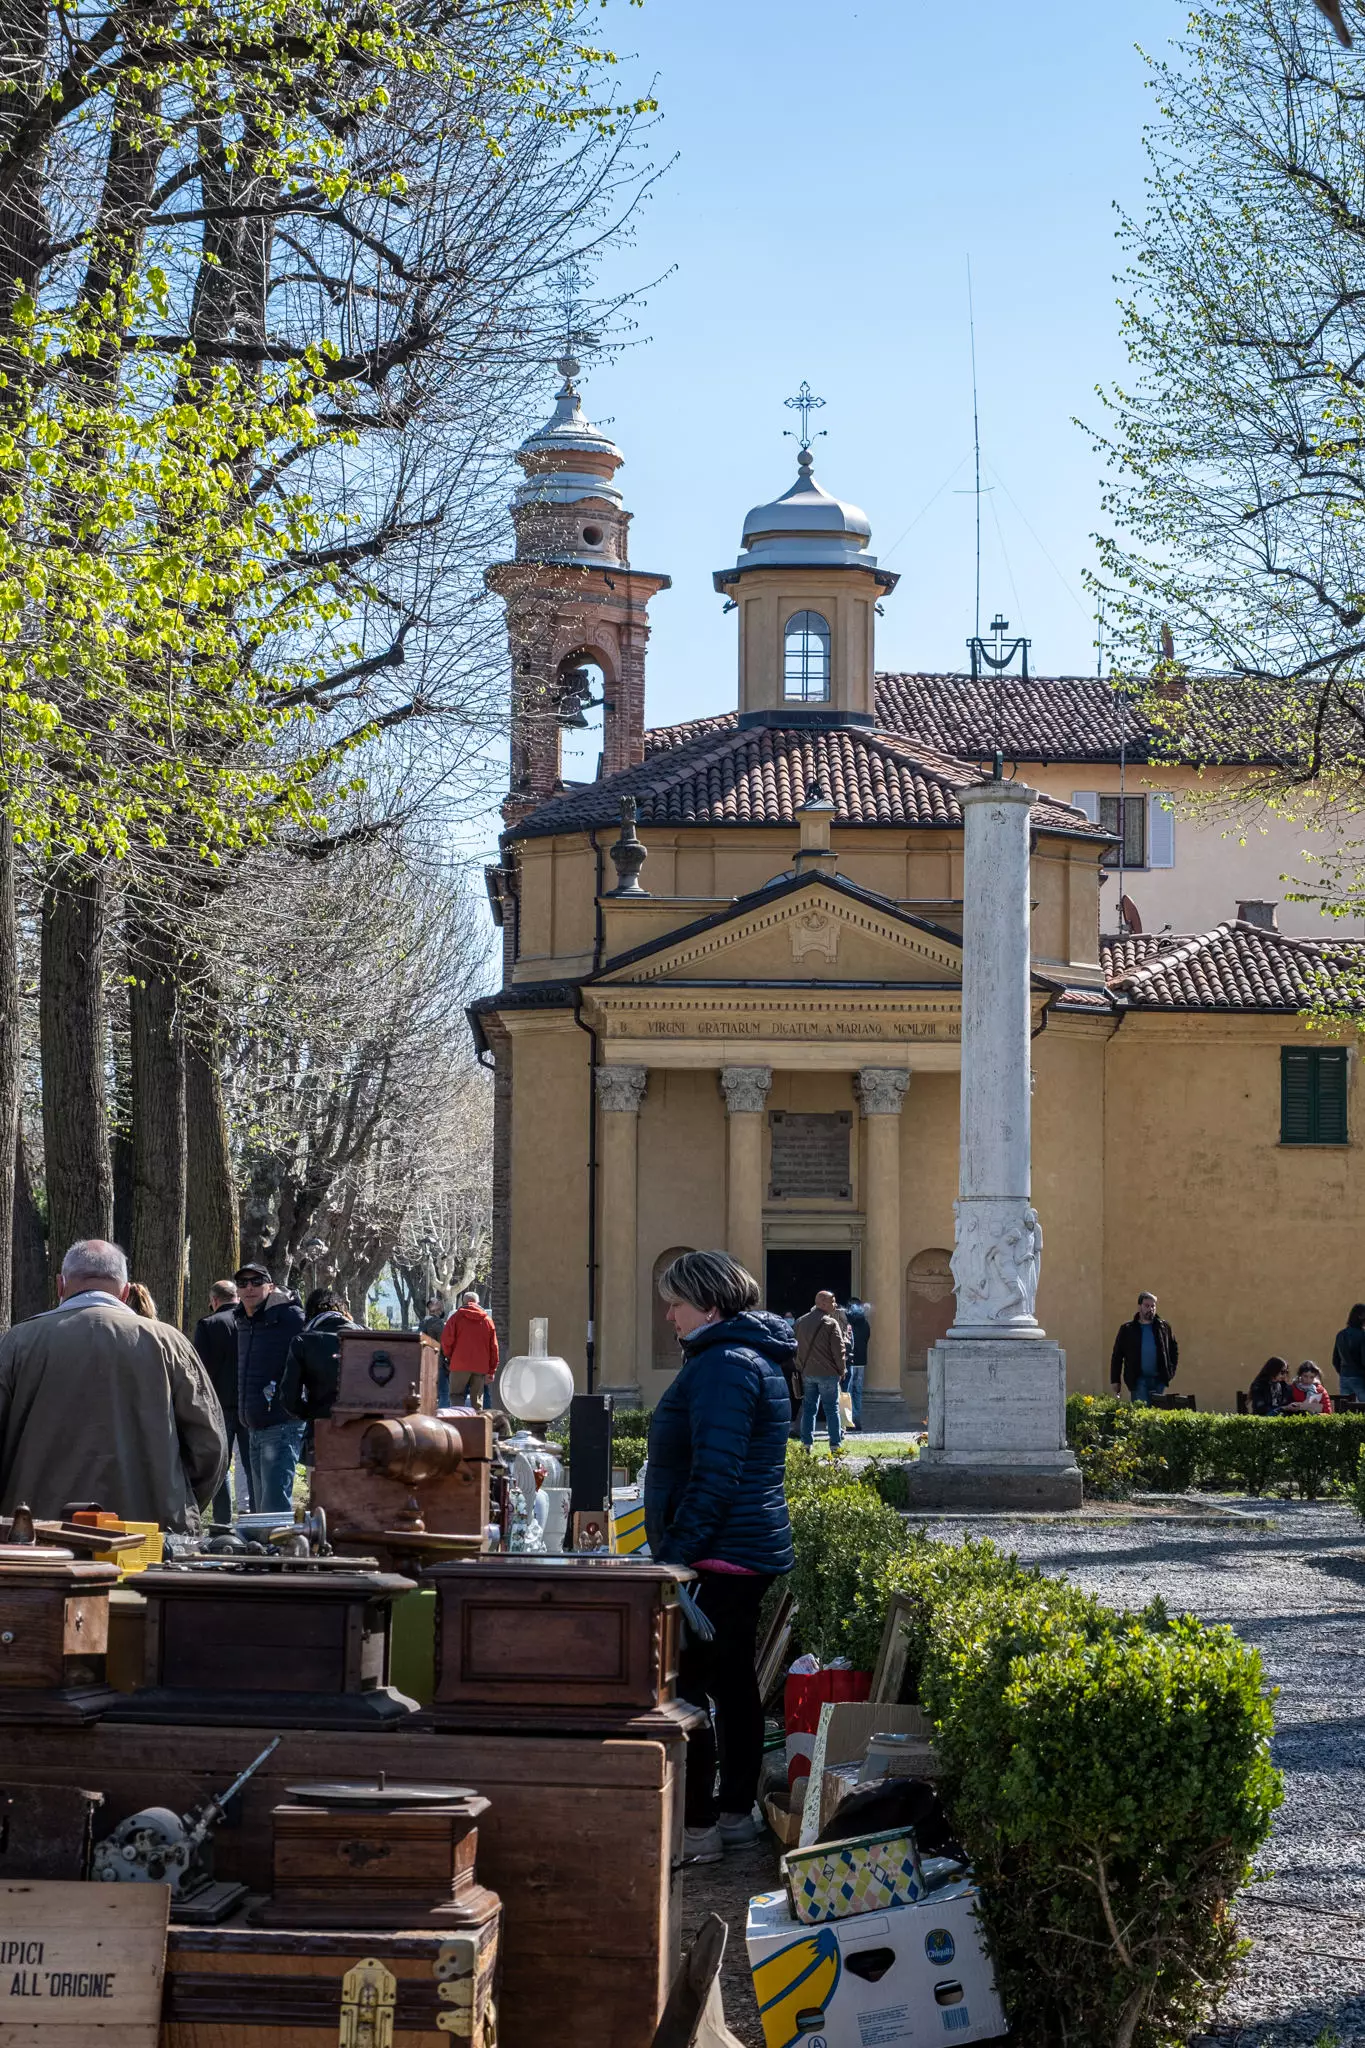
(811, 929)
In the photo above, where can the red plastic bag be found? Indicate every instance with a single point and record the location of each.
(803, 1696)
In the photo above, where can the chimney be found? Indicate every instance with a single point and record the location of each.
(1254, 910)
(814, 817)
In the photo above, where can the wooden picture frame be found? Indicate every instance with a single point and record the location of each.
(888, 1677)
(770, 1662)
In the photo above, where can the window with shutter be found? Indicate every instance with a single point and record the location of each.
(1087, 800)
(1161, 829)
(1126, 815)
(1313, 1082)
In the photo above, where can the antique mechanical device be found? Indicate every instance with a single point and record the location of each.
(379, 1853)
(393, 1477)
(157, 1846)
(54, 1627)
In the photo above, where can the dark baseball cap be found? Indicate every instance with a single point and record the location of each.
(253, 1271)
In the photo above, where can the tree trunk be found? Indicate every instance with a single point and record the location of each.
(211, 1195)
(80, 1184)
(121, 1126)
(157, 1067)
(31, 1285)
(9, 1060)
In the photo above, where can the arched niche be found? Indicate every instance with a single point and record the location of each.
(929, 1304)
(664, 1353)
(584, 685)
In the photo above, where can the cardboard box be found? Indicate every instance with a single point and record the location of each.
(846, 1727)
(864, 1874)
(902, 1979)
(784, 1822)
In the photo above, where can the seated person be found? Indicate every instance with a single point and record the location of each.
(1308, 1395)
(1268, 1393)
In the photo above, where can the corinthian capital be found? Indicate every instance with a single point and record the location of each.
(745, 1088)
(881, 1090)
(622, 1088)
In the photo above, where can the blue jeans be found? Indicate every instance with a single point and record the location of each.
(855, 1392)
(1352, 1383)
(274, 1456)
(239, 1444)
(823, 1391)
(1149, 1386)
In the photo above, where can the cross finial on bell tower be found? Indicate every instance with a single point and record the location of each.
(805, 402)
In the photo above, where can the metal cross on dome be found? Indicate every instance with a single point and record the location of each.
(805, 402)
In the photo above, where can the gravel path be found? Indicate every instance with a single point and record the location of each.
(1296, 1590)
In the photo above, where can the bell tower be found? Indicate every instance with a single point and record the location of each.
(572, 599)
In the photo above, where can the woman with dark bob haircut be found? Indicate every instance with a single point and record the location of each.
(715, 1500)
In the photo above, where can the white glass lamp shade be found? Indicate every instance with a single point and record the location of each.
(534, 1386)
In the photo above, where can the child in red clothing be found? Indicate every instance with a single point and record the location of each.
(1308, 1395)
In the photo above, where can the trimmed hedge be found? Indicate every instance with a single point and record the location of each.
(1108, 1773)
(1121, 1448)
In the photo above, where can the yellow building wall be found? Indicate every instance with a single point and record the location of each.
(1069, 1193)
(549, 1223)
(681, 1167)
(1253, 1248)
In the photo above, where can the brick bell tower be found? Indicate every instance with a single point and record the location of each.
(572, 598)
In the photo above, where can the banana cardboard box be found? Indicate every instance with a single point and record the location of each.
(912, 1976)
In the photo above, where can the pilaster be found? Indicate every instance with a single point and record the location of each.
(620, 1091)
(881, 1092)
(746, 1093)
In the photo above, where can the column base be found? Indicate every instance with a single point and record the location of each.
(997, 1427)
(885, 1408)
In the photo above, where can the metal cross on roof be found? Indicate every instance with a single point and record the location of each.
(805, 402)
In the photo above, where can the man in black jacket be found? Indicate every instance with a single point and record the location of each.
(1145, 1353)
(215, 1339)
(268, 1320)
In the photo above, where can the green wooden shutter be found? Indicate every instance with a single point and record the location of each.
(1296, 1095)
(1331, 1091)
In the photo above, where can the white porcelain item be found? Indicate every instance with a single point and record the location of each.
(555, 1519)
(534, 1386)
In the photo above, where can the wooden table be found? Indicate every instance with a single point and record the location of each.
(581, 1840)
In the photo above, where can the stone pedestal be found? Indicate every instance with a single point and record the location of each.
(997, 1385)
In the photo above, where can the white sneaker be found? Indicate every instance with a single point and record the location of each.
(735, 1829)
(702, 1845)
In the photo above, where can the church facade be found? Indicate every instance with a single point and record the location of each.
(730, 1007)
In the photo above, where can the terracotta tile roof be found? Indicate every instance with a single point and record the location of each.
(1047, 718)
(1121, 952)
(760, 776)
(1237, 967)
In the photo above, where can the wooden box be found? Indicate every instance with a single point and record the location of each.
(582, 1841)
(54, 1636)
(387, 1372)
(364, 1507)
(251, 1987)
(303, 1648)
(556, 1642)
(399, 1866)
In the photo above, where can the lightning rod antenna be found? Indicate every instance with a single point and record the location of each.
(976, 442)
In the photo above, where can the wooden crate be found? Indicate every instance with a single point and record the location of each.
(581, 1841)
(239, 1986)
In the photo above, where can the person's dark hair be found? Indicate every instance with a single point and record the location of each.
(1356, 1319)
(710, 1280)
(320, 1301)
(1271, 1370)
(1309, 1366)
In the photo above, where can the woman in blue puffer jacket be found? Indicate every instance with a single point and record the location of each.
(715, 1499)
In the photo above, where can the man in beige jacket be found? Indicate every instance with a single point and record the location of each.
(98, 1404)
(821, 1354)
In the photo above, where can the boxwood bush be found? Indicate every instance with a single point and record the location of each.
(1109, 1773)
(1121, 1448)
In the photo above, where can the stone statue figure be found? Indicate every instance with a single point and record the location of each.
(997, 1258)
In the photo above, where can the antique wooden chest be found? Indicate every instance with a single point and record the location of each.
(239, 1986)
(303, 1647)
(387, 1372)
(54, 1635)
(556, 1642)
(377, 1853)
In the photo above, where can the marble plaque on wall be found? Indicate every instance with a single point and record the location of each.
(810, 1156)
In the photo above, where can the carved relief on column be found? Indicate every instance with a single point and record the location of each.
(745, 1088)
(996, 1261)
(881, 1090)
(622, 1088)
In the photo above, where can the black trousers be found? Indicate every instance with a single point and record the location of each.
(721, 1674)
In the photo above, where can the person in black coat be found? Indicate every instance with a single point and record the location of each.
(1145, 1353)
(215, 1339)
(715, 1499)
(268, 1318)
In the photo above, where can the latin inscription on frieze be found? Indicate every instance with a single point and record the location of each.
(810, 1156)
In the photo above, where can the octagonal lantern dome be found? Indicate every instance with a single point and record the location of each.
(806, 527)
(568, 458)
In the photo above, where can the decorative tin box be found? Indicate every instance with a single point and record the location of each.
(865, 1874)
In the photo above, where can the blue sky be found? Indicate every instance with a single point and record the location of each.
(837, 165)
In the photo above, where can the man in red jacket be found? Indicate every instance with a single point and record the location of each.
(469, 1354)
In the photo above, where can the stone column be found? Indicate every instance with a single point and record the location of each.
(881, 1091)
(746, 1093)
(997, 1386)
(620, 1091)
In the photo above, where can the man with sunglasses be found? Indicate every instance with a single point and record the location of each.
(268, 1320)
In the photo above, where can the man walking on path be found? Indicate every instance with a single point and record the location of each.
(215, 1339)
(469, 1354)
(268, 1320)
(859, 1333)
(97, 1403)
(1145, 1354)
(1348, 1355)
(821, 1354)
